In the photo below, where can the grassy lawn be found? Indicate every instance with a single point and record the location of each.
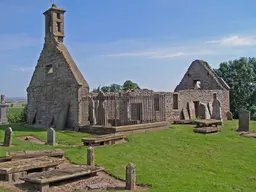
(15, 110)
(175, 160)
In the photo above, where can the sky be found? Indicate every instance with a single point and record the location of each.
(151, 42)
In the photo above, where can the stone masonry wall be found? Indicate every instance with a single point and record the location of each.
(48, 92)
(205, 96)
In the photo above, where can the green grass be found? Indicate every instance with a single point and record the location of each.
(14, 110)
(176, 160)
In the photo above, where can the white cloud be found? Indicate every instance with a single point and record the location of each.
(23, 69)
(234, 40)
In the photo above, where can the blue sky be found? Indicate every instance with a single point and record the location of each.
(151, 42)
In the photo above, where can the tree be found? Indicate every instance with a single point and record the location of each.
(115, 87)
(240, 75)
(96, 90)
(105, 89)
(128, 85)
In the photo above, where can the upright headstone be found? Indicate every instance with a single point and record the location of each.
(203, 111)
(102, 112)
(191, 110)
(244, 121)
(3, 110)
(8, 137)
(51, 137)
(210, 108)
(229, 115)
(90, 157)
(130, 177)
(92, 115)
(185, 114)
(216, 108)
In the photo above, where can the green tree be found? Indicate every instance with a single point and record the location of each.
(128, 85)
(115, 87)
(240, 75)
(105, 89)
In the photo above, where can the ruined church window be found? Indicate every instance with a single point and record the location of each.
(188, 75)
(156, 103)
(175, 103)
(58, 15)
(58, 26)
(49, 69)
(197, 84)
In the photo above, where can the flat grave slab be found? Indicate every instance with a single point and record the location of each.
(208, 122)
(183, 122)
(44, 179)
(206, 130)
(10, 168)
(248, 134)
(104, 139)
(15, 155)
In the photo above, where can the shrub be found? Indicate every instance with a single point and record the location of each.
(18, 117)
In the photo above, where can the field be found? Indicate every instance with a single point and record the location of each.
(170, 160)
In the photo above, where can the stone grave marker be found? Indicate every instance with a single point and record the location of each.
(92, 115)
(203, 111)
(185, 114)
(210, 108)
(216, 108)
(244, 121)
(3, 110)
(130, 177)
(90, 157)
(229, 115)
(51, 137)
(192, 110)
(8, 137)
(102, 112)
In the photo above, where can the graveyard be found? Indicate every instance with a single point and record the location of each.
(73, 139)
(176, 159)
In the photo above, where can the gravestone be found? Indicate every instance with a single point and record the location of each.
(203, 111)
(130, 177)
(229, 115)
(192, 110)
(8, 137)
(244, 121)
(3, 111)
(216, 108)
(210, 108)
(185, 114)
(90, 157)
(102, 112)
(51, 137)
(92, 115)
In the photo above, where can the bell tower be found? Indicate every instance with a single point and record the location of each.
(54, 23)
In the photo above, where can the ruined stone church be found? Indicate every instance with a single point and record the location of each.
(58, 94)
(57, 86)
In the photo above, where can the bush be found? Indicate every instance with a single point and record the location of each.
(18, 117)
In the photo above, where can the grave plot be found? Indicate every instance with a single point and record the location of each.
(44, 179)
(31, 139)
(207, 126)
(108, 139)
(183, 122)
(248, 134)
(12, 170)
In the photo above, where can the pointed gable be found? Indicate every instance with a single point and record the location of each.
(200, 76)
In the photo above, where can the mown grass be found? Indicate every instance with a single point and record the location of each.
(14, 110)
(176, 159)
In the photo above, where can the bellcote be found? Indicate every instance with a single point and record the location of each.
(54, 23)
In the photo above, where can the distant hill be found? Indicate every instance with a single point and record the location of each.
(15, 99)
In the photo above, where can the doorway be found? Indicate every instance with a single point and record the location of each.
(196, 104)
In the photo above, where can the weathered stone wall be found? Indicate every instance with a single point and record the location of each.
(48, 92)
(205, 96)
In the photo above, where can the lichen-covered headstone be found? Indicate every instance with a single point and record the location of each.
(216, 108)
(203, 111)
(191, 110)
(185, 114)
(90, 157)
(8, 137)
(51, 136)
(229, 115)
(244, 121)
(130, 177)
